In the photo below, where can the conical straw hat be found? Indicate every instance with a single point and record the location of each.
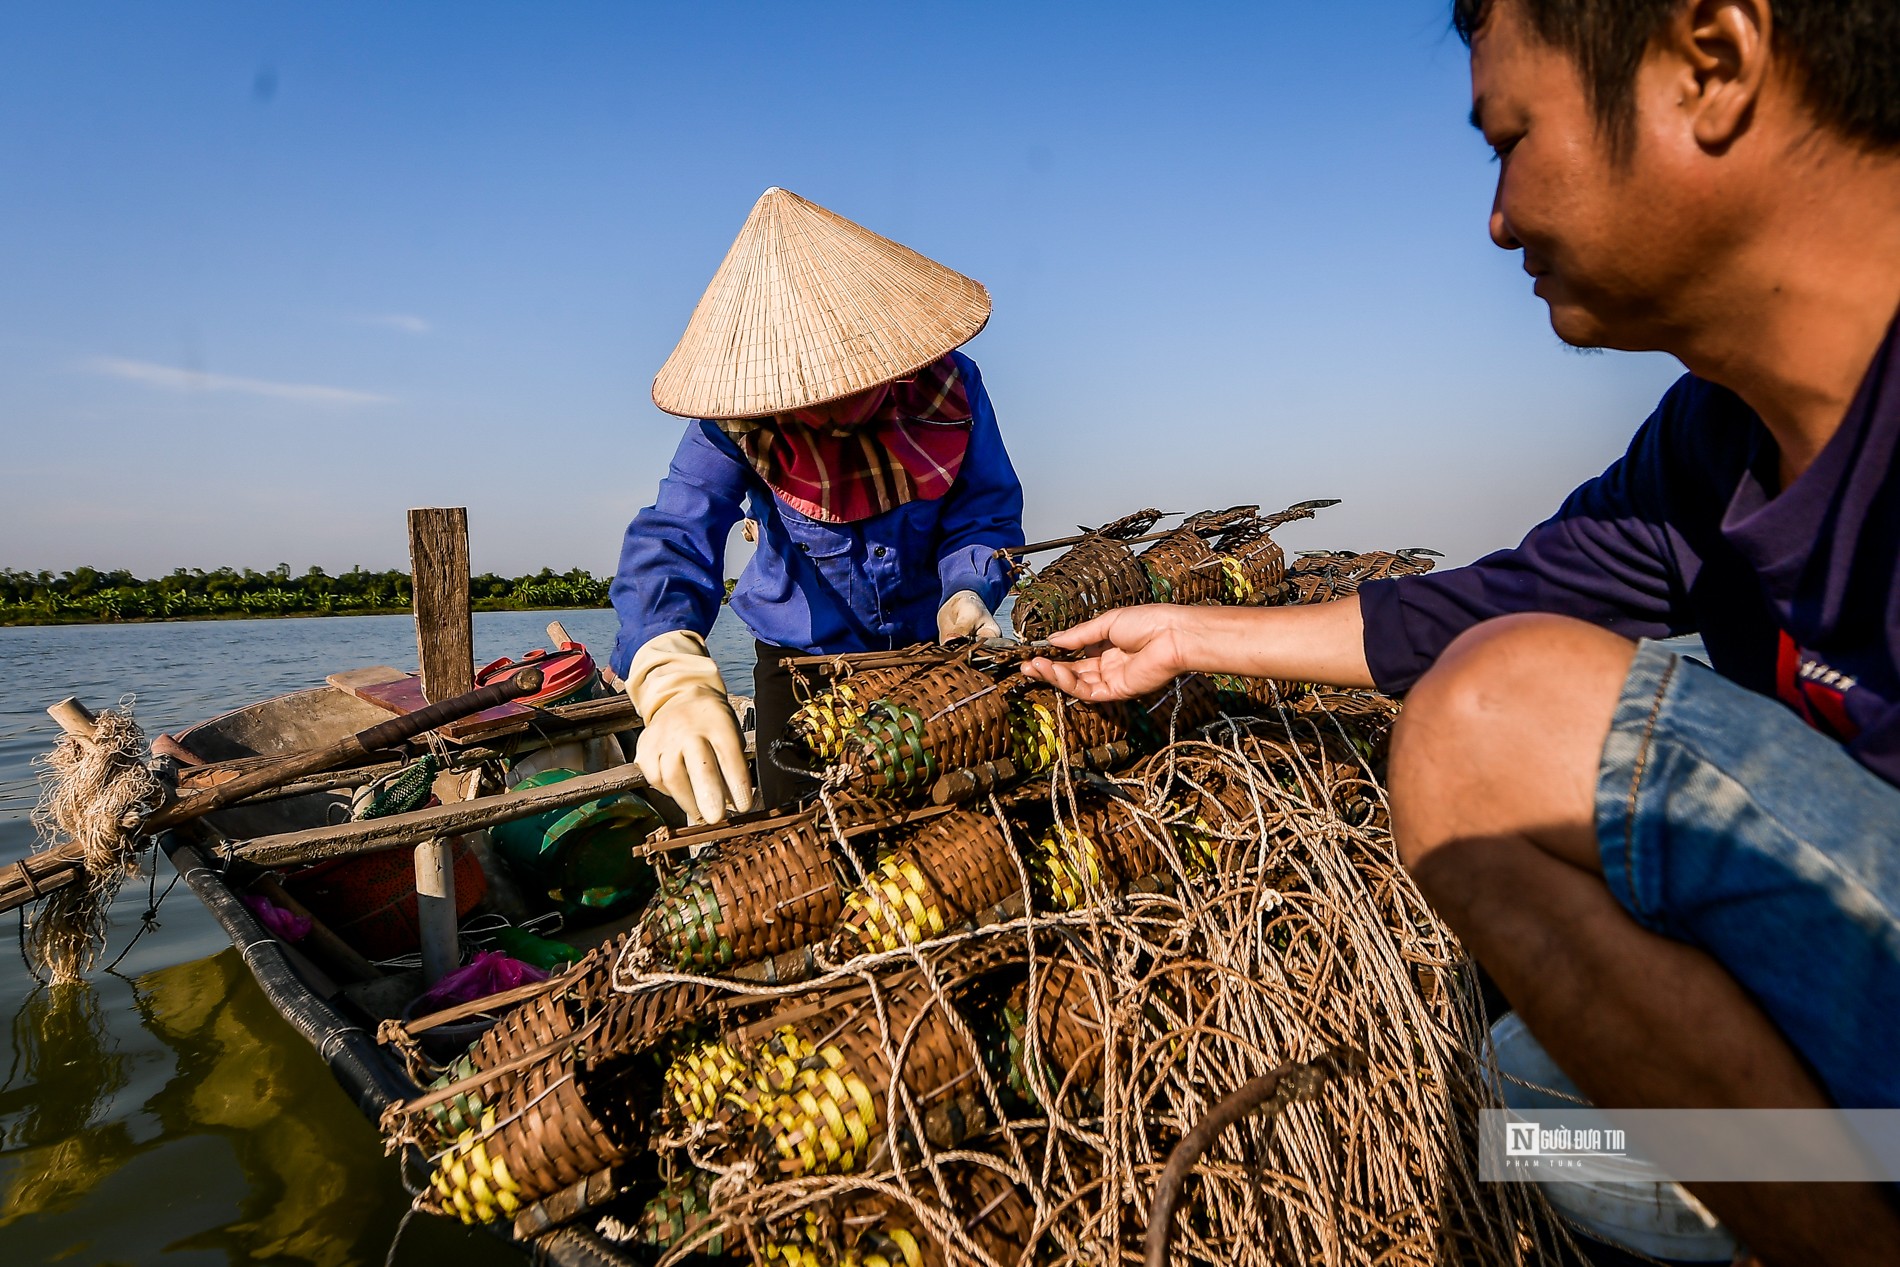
(808, 307)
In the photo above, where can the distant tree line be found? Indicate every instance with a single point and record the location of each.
(87, 594)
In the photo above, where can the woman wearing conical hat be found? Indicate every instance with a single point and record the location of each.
(829, 405)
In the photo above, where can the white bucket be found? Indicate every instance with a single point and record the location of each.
(1644, 1211)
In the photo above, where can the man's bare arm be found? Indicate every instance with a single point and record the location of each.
(1135, 650)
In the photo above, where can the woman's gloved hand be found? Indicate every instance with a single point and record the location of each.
(963, 613)
(691, 748)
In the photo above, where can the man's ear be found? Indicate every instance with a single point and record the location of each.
(1724, 47)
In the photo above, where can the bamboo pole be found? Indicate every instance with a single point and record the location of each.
(340, 952)
(389, 734)
(927, 653)
(349, 839)
(343, 957)
(37, 874)
(74, 718)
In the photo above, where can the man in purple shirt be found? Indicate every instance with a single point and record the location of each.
(1684, 880)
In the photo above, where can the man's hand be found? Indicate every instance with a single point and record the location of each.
(1135, 650)
(1130, 651)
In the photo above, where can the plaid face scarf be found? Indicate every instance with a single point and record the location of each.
(908, 447)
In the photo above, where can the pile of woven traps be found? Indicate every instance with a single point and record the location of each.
(962, 1005)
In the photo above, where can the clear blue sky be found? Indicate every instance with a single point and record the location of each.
(272, 273)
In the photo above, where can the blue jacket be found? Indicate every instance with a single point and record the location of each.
(820, 587)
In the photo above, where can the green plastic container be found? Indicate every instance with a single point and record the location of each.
(582, 858)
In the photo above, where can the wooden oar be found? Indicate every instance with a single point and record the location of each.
(37, 874)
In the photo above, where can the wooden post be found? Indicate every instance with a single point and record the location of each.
(438, 566)
(445, 647)
(435, 910)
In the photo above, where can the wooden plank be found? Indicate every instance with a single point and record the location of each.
(348, 839)
(357, 681)
(445, 632)
(404, 695)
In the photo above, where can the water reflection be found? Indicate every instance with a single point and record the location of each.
(63, 1074)
(215, 1135)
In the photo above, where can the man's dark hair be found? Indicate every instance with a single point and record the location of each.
(1848, 52)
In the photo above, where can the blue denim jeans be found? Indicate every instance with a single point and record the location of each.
(1726, 822)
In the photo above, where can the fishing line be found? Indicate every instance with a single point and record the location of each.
(26, 958)
(149, 920)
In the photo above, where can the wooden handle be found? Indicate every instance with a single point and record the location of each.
(402, 729)
(387, 735)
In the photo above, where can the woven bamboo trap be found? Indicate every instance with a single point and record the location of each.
(1225, 557)
(553, 1126)
(752, 897)
(1047, 726)
(965, 1205)
(1183, 567)
(958, 1080)
(1056, 1023)
(945, 872)
(823, 722)
(1096, 575)
(1096, 846)
(1321, 575)
(681, 1216)
(809, 1090)
(947, 717)
(541, 1026)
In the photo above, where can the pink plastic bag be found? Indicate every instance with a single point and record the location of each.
(489, 972)
(278, 922)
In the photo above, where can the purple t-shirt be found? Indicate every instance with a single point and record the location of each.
(1794, 595)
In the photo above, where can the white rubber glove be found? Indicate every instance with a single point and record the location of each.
(964, 613)
(691, 748)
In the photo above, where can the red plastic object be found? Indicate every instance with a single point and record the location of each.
(564, 671)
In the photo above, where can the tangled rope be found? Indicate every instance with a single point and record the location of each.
(1278, 930)
(95, 791)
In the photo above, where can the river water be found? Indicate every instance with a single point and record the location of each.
(164, 1113)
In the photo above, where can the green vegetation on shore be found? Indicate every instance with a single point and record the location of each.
(86, 595)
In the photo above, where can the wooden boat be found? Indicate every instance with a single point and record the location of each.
(318, 983)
